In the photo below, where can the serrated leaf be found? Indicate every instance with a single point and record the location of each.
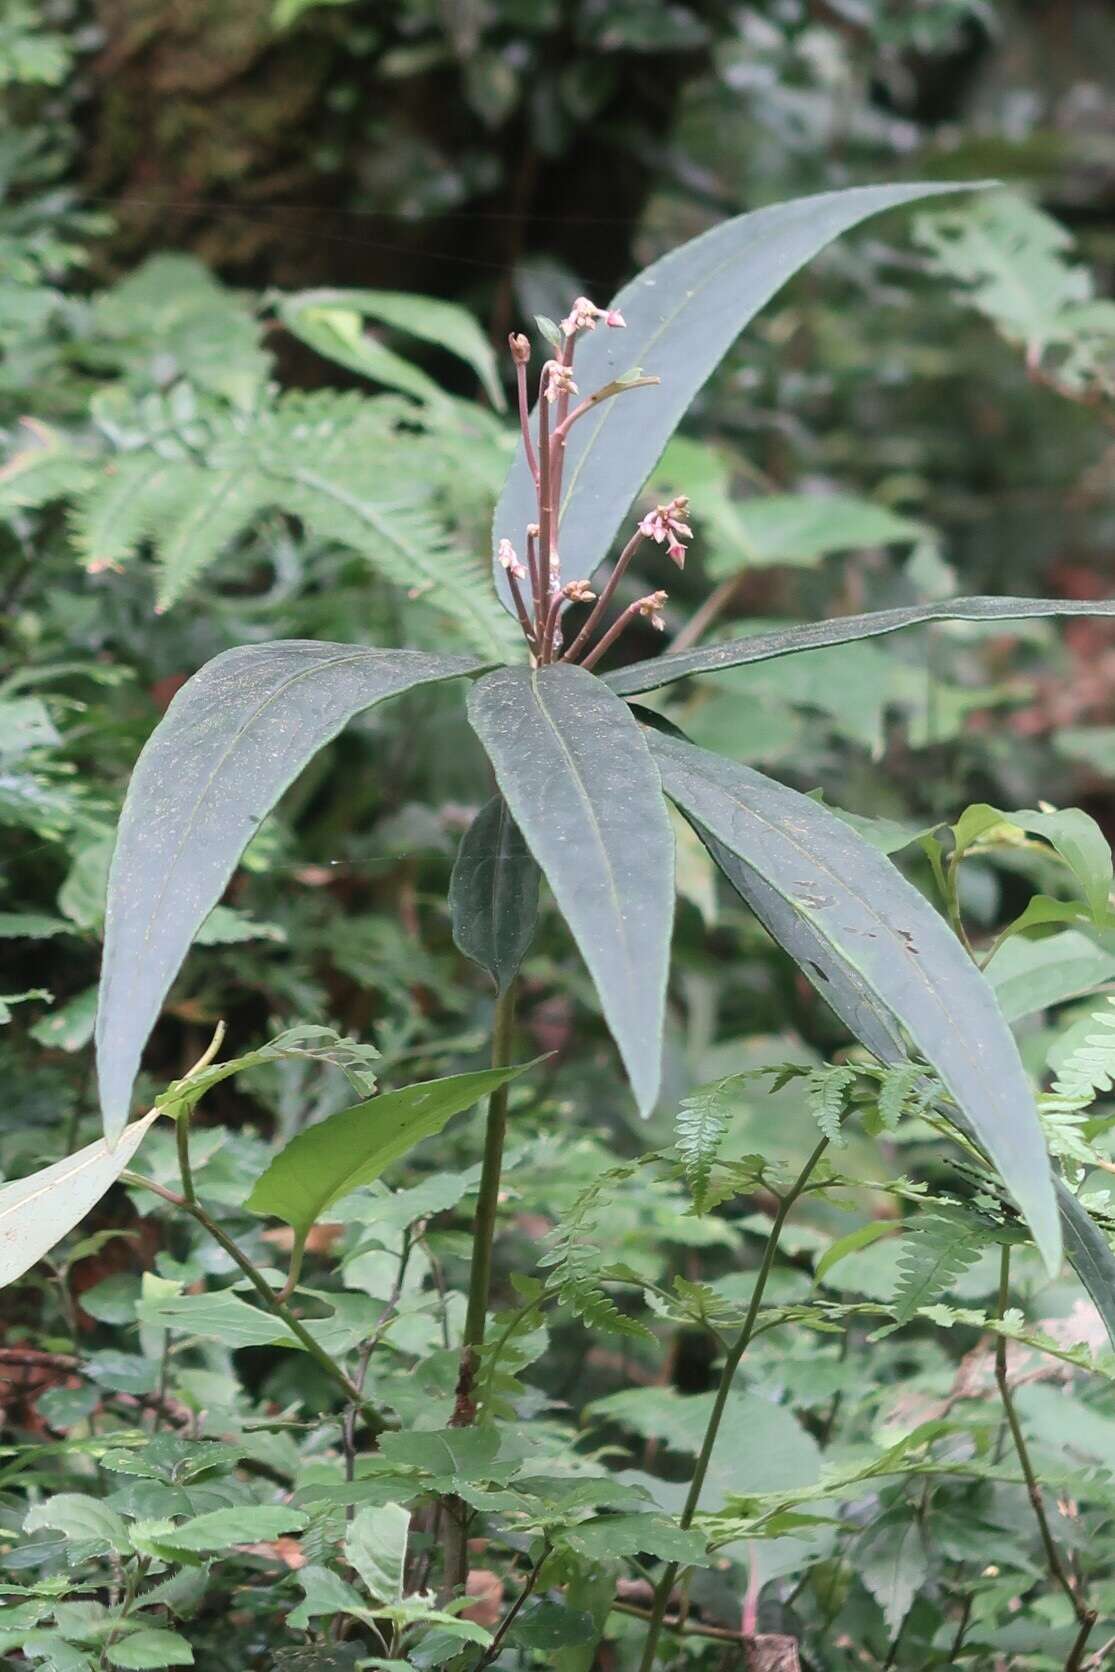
(376, 1546)
(683, 313)
(791, 641)
(700, 1128)
(630, 1535)
(934, 1254)
(328, 1160)
(903, 951)
(893, 1564)
(37, 1212)
(493, 893)
(78, 1516)
(233, 739)
(220, 1529)
(575, 772)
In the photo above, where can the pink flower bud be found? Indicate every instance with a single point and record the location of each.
(615, 320)
(520, 348)
(509, 558)
(666, 526)
(559, 381)
(578, 592)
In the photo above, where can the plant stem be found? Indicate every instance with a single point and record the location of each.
(727, 1376)
(512, 1614)
(455, 1513)
(605, 598)
(266, 1293)
(1085, 1615)
(487, 1201)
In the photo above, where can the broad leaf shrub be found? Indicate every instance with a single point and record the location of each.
(397, 1428)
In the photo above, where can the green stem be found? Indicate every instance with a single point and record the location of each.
(266, 1294)
(487, 1201)
(455, 1513)
(1085, 1615)
(182, 1137)
(727, 1375)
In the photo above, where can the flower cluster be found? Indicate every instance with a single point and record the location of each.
(583, 315)
(667, 526)
(541, 604)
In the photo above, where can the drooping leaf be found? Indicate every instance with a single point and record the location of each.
(575, 771)
(326, 1161)
(305, 1043)
(892, 1561)
(1070, 831)
(493, 893)
(230, 743)
(789, 641)
(902, 950)
(376, 1546)
(429, 318)
(683, 314)
(39, 1211)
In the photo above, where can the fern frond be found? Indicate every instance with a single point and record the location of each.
(702, 1122)
(124, 505)
(901, 1092)
(1090, 1069)
(935, 1253)
(210, 509)
(828, 1099)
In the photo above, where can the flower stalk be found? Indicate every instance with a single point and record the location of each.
(540, 616)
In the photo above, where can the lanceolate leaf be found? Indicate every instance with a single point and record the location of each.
(574, 767)
(683, 314)
(493, 893)
(328, 1160)
(789, 641)
(39, 1211)
(897, 944)
(231, 742)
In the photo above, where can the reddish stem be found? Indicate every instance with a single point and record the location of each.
(605, 598)
(613, 633)
(524, 419)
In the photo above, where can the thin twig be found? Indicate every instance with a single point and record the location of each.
(512, 1614)
(606, 592)
(727, 1375)
(1084, 1614)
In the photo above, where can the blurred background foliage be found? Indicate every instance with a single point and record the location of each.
(217, 428)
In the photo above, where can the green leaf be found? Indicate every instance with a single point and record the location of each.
(790, 641)
(905, 954)
(935, 1252)
(376, 1546)
(151, 1647)
(445, 1454)
(575, 771)
(37, 1212)
(683, 314)
(80, 1517)
(550, 1625)
(307, 1042)
(427, 317)
(328, 1160)
(493, 894)
(862, 1237)
(1032, 975)
(630, 1535)
(1071, 832)
(1090, 1253)
(70, 1027)
(892, 1562)
(800, 528)
(230, 743)
(701, 1126)
(220, 1529)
